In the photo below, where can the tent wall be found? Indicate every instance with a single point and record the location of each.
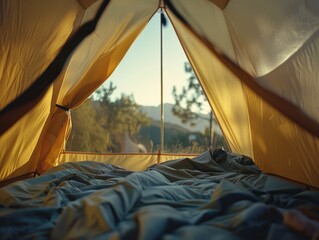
(223, 89)
(251, 126)
(268, 48)
(93, 62)
(281, 52)
(32, 33)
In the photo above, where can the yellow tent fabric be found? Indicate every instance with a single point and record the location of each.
(256, 61)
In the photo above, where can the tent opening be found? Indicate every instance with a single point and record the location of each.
(124, 114)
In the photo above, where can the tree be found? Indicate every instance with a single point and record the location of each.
(106, 119)
(189, 104)
(87, 133)
(123, 114)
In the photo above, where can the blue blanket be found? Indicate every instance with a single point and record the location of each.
(216, 195)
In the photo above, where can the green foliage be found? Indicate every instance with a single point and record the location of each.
(87, 134)
(195, 147)
(122, 115)
(189, 102)
(100, 123)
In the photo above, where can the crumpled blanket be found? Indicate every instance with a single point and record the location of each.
(217, 195)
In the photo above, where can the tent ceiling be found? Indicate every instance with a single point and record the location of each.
(86, 3)
(220, 3)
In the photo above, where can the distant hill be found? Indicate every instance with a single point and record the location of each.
(154, 113)
(176, 127)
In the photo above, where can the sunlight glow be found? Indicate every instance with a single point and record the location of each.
(139, 71)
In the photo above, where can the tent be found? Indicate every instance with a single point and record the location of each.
(256, 61)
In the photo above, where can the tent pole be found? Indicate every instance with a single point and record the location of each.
(162, 103)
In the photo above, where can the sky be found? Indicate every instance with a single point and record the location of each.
(139, 71)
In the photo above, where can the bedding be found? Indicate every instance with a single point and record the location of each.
(217, 195)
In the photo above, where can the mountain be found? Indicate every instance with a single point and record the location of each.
(177, 135)
(154, 112)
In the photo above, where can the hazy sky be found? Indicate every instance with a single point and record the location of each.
(139, 71)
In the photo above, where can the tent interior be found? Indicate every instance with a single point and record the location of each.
(257, 64)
